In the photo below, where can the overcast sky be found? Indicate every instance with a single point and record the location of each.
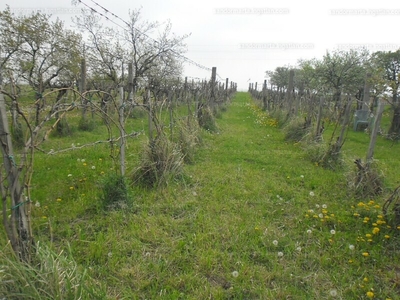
(243, 39)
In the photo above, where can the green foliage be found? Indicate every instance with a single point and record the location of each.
(51, 276)
(114, 191)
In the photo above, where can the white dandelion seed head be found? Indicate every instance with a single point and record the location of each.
(109, 254)
(37, 204)
(298, 249)
(309, 231)
(312, 194)
(324, 206)
(93, 167)
(333, 293)
(235, 274)
(69, 175)
(280, 254)
(351, 247)
(301, 176)
(321, 215)
(333, 231)
(275, 242)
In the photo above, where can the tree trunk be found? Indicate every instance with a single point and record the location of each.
(17, 226)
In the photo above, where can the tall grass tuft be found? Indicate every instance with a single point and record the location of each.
(114, 192)
(189, 138)
(296, 130)
(51, 276)
(160, 161)
(206, 119)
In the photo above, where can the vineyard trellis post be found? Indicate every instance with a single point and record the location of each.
(366, 94)
(122, 130)
(374, 134)
(82, 87)
(289, 93)
(227, 89)
(264, 95)
(213, 81)
(319, 131)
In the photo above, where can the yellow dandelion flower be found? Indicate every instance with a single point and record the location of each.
(379, 216)
(360, 204)
(377, 206)
(375, 230)
(387, 236)
(374, 224)
(371, 202)
(58, 200)
(356, 214)
(368, 235)
(370, 294)
(365, 279)
(365, 254)
(71, 188)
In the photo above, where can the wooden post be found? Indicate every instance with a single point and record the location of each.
(319, 118)
(289, 100)
(171, 117)
(122, 130)
(227, 89)
(185, 96)
(130, 82)
(346, 118)
(213, 82)
(374, 133)
(82, 86)
(365, 100)
(264, 94)
(148, 101)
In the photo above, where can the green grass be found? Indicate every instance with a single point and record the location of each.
(251, 218)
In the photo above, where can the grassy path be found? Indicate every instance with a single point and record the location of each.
(253, 219)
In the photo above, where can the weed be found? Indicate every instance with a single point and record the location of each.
(114, 191)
